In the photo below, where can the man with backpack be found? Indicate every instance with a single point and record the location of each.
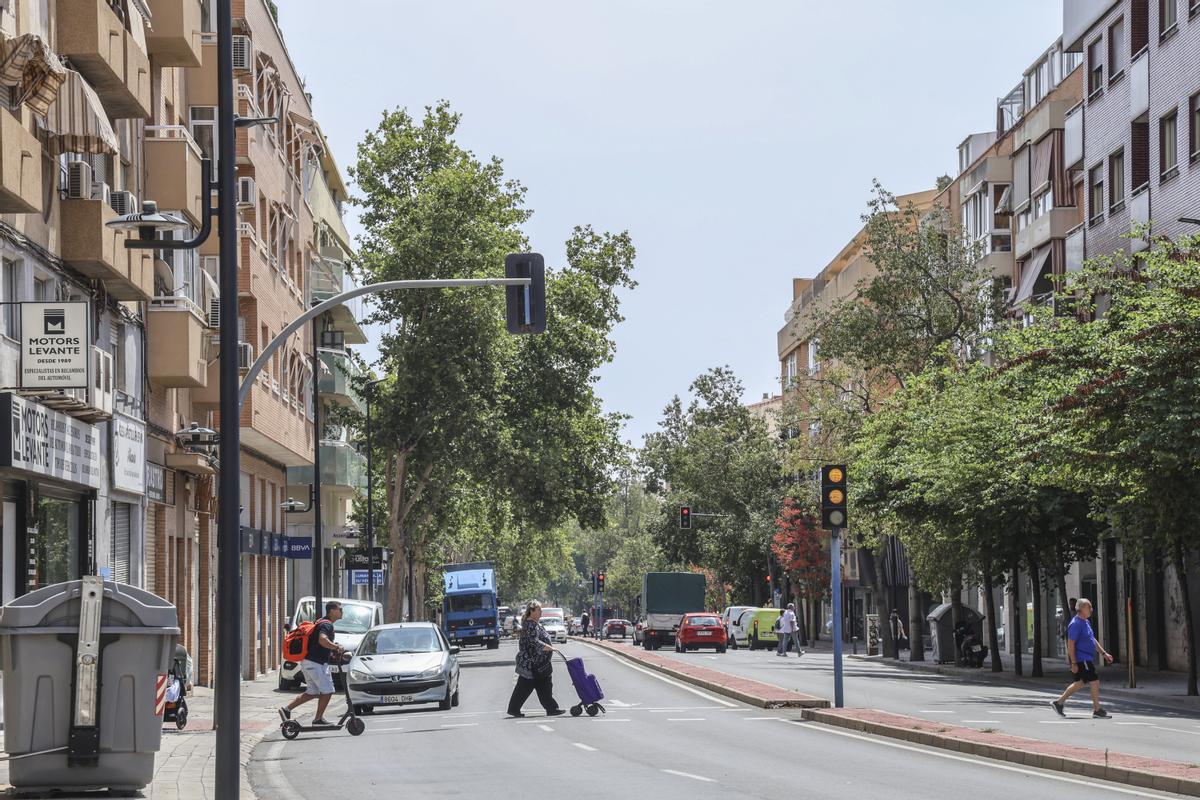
(318, 682)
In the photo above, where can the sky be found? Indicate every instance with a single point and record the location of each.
(735, 141)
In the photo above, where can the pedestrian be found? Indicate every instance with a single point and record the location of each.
(535, 670)
(789, 633)
(1082, 647)
(318, 682)
(899, 640)
(583, 622)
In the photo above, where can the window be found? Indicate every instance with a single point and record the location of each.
(10, 291)
(1168, 154)
(204, 130)
(814, 358)
(1116, 50)
(1043, 203)
(1194, 124)
(1139, 26)
(1024, 218)
(1116, 181)
(1139, 154)
(1095, 68)
(790, 368)
(119, 356)
(208, 16)
(1096, 194)
(1166, 17)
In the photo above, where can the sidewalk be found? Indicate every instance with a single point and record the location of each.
(185, 766)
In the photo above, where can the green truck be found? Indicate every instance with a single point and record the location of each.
(666, 597)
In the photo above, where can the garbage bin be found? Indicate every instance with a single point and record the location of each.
(81, 662)
(941, 630)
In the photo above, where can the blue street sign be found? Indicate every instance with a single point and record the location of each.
(299, 547)
(358, 577)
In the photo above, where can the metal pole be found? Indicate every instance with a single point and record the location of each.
(229, 601)
(412, 594)
(318, 552)
(370, 504)
(836, 591)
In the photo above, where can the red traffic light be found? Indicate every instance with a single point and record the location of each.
(685, 518)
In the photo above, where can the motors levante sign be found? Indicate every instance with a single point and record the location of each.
(47, 442)
(54, 345)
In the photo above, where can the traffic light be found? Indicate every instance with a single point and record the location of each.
(600, 581)
(525, 306)
(685, 518)
(833, 496)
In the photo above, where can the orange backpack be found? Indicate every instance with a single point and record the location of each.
(295, 642)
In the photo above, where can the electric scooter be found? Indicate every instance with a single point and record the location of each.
(349, 720)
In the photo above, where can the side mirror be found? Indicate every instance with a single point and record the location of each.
(287, 623)
(454, 649)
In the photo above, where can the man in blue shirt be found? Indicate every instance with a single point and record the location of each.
(1082, 647)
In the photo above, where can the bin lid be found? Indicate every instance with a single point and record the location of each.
(969, 614)
(58, 606)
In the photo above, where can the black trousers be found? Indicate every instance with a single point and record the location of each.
(544, 687)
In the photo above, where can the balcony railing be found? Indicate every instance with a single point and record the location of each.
(175, 39)
(341, 467)
(337, 379)
(1073, 137)
(1139, 85)
(174, 178)
(1074, 251)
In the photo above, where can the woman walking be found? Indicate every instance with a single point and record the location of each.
(535, 671)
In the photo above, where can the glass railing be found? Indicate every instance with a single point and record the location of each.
(337, 377)
(341, 465)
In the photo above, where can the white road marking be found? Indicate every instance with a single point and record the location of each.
(1176, 730)
(701, 719)
(982, 721)
(1151, 724)
(982, 762)
(677, 684)
(689, 775)
(583, 746)
(459, 724)
(546, 728)
(998, 711)
(610, 719)
(932, 711)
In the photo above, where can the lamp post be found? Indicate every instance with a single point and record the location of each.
(368, 393)
(318, 551)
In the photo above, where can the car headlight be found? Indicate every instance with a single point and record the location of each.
(432, 672)
(359, 675)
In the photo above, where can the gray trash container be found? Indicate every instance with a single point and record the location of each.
(112, 746)
(941, 630)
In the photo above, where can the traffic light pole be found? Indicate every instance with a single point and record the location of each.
(835, 551)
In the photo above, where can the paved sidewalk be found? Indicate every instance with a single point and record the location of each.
(185, 766)
(1141, 771)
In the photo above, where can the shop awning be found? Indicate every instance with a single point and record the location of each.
(76, 122)
(31, 67)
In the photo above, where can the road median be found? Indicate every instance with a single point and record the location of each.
(1132, 770)
(746, 690)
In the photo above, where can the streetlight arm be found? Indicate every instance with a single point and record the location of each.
(206, 216)
(265, 356)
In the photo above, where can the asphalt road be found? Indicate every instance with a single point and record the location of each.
(658, 736)
(1138, 728)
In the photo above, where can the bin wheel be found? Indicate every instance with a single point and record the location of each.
(576, 711)
(355, 726)
(290, 729)
(593, 710)
(181, 719)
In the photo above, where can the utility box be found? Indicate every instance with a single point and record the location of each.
(941, 630)
(82, 662)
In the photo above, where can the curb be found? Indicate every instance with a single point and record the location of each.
(918, 731)
(802, 701)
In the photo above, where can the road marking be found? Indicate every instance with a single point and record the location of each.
(982, 721)
(689, 775)
(1151, 724)
(459, 724)
(583, 746)
(756, 719)
(546, 728)
(1176, 730)
(998, 711)
(1057, 721)
(610, 719)
(665, 679)
(982, 762)
(528, 722)
(932, 711)
(701, 719)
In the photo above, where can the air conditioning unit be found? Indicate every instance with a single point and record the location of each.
(214, 313)
(124, 203)
(243, 53)
(100, 191)
(247, 192)
(79, 180)
(211, 296)
(245, 356)
(100, 393)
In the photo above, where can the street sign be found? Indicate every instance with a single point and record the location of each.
(357, 559)
(55, 352)
(358, 577)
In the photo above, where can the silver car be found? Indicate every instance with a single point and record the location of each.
(404, 663)
(556, 628)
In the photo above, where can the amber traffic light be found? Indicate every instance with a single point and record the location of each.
(833, 496)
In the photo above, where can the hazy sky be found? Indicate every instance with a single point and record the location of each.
(736, 141)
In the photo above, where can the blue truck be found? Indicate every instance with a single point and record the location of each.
(470, 614)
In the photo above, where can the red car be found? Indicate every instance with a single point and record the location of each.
(700, 630)
(615, 627)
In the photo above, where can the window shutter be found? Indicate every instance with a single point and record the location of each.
(120, 542)
(1020, 194)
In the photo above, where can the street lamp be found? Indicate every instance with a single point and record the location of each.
(368, 393)
(196, 438)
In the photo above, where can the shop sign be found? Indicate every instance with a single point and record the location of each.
(299, 547)
(47, 442)
(128, 454)
(160, 484)
(54, 346)
(358, 558)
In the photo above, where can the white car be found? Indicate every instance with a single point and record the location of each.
(735, 633)
(555, 627)
(401, 664)
(358, 616)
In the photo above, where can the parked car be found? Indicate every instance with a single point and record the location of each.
(638, 633)
(700, 630)
(404, 663)
(358, 617)
(731, 618)
(760, 626)
(615, 627)
(555, 627)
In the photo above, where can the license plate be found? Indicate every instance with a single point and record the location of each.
(397, 698)
(704, 633)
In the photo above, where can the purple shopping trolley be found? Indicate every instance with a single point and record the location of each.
(587, 687)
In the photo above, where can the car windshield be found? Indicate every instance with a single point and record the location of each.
(384, 641)
(547, 621)
(702, 621)
(356, 617)
(468, 603)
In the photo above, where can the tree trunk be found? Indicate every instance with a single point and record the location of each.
(956, 609)
(1014, 636)
(1060, 580)
(990, 603)
(1188, 618)
(394, 602)
(1035, 579)
(887, 643)
(397, 533)
(916, 622)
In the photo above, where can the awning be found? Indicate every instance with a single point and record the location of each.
(143, 9)
(76, 122)
(1034, 268)
(32, 68)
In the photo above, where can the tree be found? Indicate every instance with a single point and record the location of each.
(802, 550)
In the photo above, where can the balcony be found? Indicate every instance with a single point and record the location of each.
(337, 379)
(202, 83)
(1052, 225)
(20, 167)
(1074, 252)
(99, 252)
(174, 178)
(342, 467)
(175, 40)
(1139, 214)
(177, 359)
(998, 263)
(1139, 86)
(1048, 115)
(327, 277)
(189, 462)
(993, 169)
(95, 40)
(1073, 138)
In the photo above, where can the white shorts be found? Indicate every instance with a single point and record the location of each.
(317, 679)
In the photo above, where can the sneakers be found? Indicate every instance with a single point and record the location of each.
(555, 712)
(1100, 713)
(285, 713)
(1058, 708)
(517, 715)
(321, 722)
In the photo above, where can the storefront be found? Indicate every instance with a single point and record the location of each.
(50, 471)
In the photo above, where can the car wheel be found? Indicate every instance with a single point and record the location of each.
(721, 648)
(753, 641)
(447, 702)
(287, 685)
(454, 699)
